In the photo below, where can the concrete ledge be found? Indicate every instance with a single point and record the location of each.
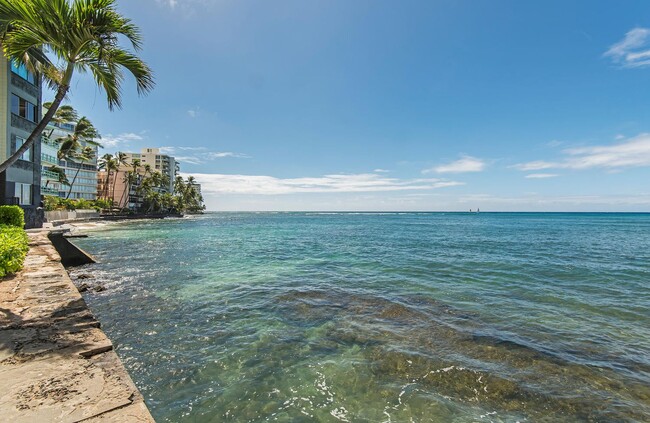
(56, 365)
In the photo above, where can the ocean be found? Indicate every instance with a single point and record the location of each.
(380, 317)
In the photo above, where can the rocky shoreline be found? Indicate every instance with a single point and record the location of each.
(56, 364)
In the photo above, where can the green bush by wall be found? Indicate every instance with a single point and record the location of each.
(12, 216)
(13, 249)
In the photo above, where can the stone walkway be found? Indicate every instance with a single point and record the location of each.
(56, 364)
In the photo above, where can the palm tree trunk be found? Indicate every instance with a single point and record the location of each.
(127, 187)
(72, 184)
(114, 182)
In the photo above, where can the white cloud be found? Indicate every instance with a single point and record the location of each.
(339, 183)
(381, 171)
(193, 112)
(633, 152)
(465, 164)
(541, 175)
(111, 141)
(198, 155)
(536, 165)
(222, 154)
(171, 3)
(632, 51)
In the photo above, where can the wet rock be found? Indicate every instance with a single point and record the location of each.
(84, 276)
(99, 288)
(83, 287)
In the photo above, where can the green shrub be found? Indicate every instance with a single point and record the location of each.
(50, 202)
(12, 216)
(13, 249)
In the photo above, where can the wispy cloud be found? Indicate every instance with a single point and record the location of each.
(463, 165)
(112, 141)
(633, 50)
(171, 3)
(541, 175)
(381, 171)
(198, 155)
(633, 152)
(339, 183)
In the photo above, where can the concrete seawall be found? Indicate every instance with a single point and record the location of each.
(56, 364)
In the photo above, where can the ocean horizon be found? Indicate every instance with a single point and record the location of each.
(380, 316)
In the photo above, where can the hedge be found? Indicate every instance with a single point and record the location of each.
(12, 216)
(13, 249)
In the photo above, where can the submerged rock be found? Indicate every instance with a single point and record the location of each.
(99, 288)
(83, 287)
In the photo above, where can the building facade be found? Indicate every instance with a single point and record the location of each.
(167, 165)
(20, 111)
(124, 194)
(84, 186)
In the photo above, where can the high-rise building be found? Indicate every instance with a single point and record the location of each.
(20, 110)
(167, 165)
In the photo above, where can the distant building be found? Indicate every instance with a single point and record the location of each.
(20, 110)
(197, 188)
(114, 186)
(167, 165)
(85, 186)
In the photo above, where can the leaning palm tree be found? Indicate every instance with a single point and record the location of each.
(72, 148)
(79, 35)
(62, 178)
(86, 155)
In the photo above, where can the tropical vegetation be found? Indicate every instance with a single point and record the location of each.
(146, 190)
(52, 202)
(55, 38)
(13, 240)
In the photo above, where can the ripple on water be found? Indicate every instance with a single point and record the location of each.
(413, 317)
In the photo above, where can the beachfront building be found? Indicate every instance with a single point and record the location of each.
(115, 186)
(82, 175)
(50, 184)
(197, 188)
(163, 163)
(20, 110)
(123, 191)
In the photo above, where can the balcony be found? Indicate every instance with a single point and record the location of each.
(48, 174)
(49, 191)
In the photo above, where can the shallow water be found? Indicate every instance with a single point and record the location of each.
(380, 317)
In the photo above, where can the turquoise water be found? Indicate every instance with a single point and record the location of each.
(446, 317)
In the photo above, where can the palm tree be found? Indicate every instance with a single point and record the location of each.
(120, 159)
(60, 172)
(108, 164)
(70, 145)
(65, 114)
(86, 155)
(81, 35)
(130, 178)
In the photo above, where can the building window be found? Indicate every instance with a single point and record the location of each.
(27, 155)
(24, 194)
(21, 70)
(23, 108)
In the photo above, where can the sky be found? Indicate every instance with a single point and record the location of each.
(434, 105)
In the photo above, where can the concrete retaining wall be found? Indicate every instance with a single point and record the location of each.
(67, 216)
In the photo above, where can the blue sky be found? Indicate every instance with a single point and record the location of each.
(384, 105)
